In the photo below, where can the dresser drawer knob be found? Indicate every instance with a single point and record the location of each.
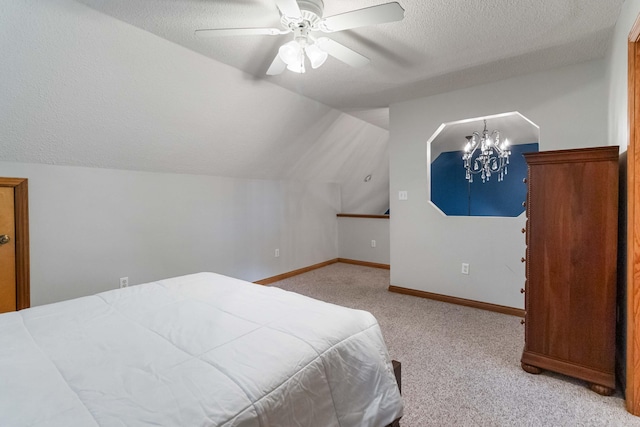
(524, 204)
(524, 180)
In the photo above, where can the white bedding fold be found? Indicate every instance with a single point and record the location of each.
(197, 350)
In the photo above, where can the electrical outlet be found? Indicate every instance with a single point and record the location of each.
(373, 243)
(465, 268)
(277, 254)
(403, 195)
(124, 282)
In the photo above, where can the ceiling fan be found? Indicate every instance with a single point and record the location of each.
(303, 18)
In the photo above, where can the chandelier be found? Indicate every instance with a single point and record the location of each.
(484, 154)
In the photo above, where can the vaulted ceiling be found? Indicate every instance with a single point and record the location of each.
(440, 45)
(125, 84)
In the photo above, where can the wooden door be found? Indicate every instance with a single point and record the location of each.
(14, 252)
(8, 299)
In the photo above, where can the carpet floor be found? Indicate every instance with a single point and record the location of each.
(460, 365)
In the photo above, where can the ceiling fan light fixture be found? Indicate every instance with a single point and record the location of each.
(297, 65)
(297, 68)
(290, 52)
(316, 55)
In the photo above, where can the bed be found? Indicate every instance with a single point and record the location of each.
(196, 350)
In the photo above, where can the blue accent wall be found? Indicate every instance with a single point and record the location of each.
(453, 194)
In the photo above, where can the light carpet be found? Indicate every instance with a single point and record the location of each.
(460, 365)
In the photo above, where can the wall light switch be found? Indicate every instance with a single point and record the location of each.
(277, 254)
(373, 243)
(403, 195)
(465, 268)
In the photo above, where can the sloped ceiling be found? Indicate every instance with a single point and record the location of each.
(439, 46)
(109, 83)
(80, 88)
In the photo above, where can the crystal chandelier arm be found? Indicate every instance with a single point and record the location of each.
(495, 137)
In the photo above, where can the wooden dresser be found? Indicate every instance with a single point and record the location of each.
(570, 287)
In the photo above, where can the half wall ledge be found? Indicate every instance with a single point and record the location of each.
(346, 215)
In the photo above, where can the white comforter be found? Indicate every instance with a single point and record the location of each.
(197, 350)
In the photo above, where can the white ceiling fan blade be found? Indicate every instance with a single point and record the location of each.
(388, 12)
(342, 53)
(289, 8)
(277, 66)
(225, 32)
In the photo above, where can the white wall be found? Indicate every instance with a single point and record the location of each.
(617, 74)
(427, 248)
(355, 236)
(89, 227)
(80, 88)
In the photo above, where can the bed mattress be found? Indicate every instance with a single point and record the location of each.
(196, 350)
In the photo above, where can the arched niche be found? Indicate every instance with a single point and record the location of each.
(451, 192)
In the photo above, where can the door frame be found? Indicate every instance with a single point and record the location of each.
(21, 208)
(632, 392)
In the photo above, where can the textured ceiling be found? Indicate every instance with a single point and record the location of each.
(95, 83)
(81, 88)
(439, 46)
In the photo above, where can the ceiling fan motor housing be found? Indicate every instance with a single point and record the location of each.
(314, 6)
(309, 19)
(301, 34)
